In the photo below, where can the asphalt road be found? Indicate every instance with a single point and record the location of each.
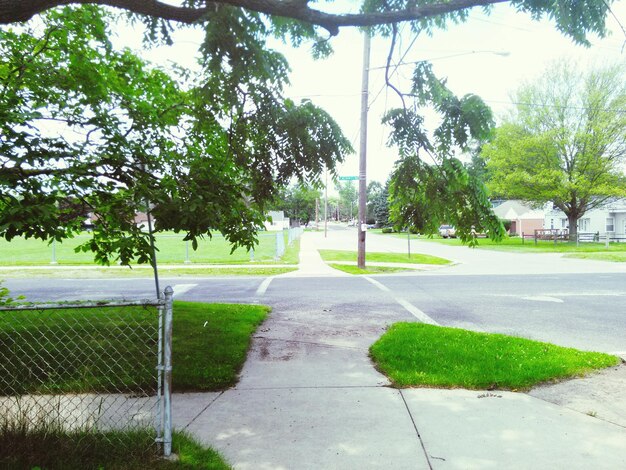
(586, 311)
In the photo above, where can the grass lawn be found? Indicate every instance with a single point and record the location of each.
(50, 449)
(139, 272)
(417, 354)
(516, 244)
(346, 268)
(416, 258)
(210, 342)
(616, 257)
(171, 249)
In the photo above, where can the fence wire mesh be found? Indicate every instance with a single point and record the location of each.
(81, 369)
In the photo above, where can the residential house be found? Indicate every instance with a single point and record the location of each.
(608, 219)
(524, 218)
(141, 220)
(276, 221)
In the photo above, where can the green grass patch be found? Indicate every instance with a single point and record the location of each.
(416, 258)
(211, 342)
(113, 349)
(171, 249)
(130, 450)
(615, 257)
(139, 272)
(421, 355)
(346, 268)
(516, 244)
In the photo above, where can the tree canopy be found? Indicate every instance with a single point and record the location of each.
(565, 142)
(88, 128)
(207, 153)
(299, 201)
(429, 185)
(378, 203)
(348, 199)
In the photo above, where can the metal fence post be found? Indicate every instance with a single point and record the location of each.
(54, 252)
(167, 372)
(408, 242)
(606, 241)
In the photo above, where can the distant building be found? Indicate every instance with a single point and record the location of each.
(524, 218)
(141, 220)
(276, 220)
(608, 219)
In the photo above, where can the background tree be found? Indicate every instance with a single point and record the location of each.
(373, 189)
(299, 202)
(348, 199)
(565, 143)
(429, 185)
(378, 203)
(85, 123)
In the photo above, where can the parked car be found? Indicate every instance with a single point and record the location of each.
(447, 231)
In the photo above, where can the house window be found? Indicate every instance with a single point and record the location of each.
(610, 224)
(551, 223)
(564, 223)
(583, 224)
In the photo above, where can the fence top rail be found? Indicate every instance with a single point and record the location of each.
(102, 304)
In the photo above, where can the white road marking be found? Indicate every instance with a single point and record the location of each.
(543, 298)
(569, 294)
(264, 285)
(412, 309)
(377, 284)
(416, 312)
(182, 288)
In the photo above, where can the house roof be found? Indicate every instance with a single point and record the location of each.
(516, 209)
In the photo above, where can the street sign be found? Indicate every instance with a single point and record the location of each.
(348, 178)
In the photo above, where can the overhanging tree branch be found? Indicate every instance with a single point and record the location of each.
(21, 10)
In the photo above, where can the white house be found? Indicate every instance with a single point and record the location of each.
(276, 221)
(524, 218)
(609, 218)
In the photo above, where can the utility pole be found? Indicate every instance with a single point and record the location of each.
(317, 213)
(362, 227)
(326, 205)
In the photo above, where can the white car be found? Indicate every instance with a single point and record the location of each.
(447, 231)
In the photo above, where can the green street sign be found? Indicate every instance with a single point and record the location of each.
(348, 178)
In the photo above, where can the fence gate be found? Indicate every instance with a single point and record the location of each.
(93, 367)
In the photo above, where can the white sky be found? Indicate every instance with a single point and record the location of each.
(463, 53)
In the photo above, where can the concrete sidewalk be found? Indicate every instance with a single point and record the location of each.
(310, 398)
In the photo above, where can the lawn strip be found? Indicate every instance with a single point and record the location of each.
(517, 245)
(416, 258)
(420, 355)
(346, 268)
(211, 342)
(613, 257)
(171, 249)
(142, 272)
(121, 450)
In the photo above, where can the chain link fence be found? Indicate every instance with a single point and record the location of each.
(87, 368)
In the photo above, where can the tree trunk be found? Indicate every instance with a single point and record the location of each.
(572, 219)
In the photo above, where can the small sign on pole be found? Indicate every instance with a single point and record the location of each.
(348, 178)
